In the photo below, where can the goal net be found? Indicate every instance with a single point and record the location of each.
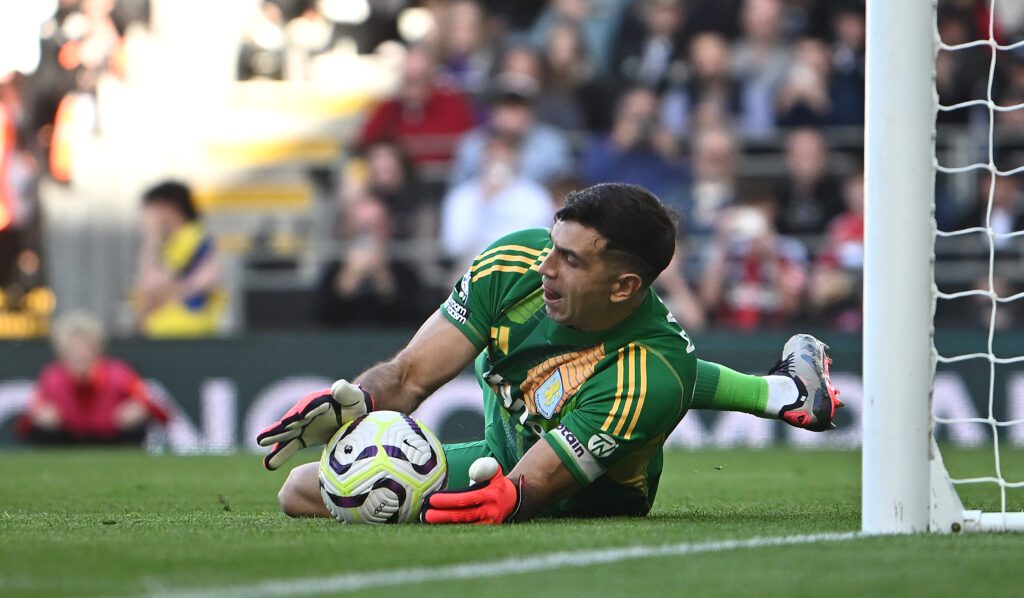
(906, 484)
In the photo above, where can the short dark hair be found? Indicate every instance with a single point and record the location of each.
(498, 138)
(175, 195)
(639, 229)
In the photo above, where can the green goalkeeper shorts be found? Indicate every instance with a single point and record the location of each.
(460, 456)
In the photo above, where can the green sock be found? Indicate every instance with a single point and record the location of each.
(722, 389)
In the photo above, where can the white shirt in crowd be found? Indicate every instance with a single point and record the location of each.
(470, 221)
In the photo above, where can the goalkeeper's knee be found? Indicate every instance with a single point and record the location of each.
(300, 494)
(288, 498)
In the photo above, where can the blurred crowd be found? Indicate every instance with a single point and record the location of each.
(44, 106)
(744, 116)
(504, 107)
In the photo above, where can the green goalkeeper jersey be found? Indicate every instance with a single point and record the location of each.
(604, 401)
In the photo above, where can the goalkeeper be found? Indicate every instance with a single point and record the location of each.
(584, 373)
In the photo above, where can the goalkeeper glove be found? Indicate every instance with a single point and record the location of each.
(313, 420)
(493, 498)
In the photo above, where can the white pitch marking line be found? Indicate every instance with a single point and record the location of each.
(555, 560)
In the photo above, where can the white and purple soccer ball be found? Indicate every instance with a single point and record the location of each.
(379, 467)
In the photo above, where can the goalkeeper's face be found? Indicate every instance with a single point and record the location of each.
(582, 289)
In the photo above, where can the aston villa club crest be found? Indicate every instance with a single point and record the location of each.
(549, 395)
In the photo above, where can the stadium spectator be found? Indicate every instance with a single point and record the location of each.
(560, 187)
(639, 150)
(1010, 92)
(1007, 213)
(597, 20)
(519, 62)
(381, 203)
(555, 102)
(99, 46)
(834, 289)
(91, 46)
(760, 60)
(715, 156)
(26, 303)
(677, 294)
(425, 118)
(466, 50)
(808, 197)
(651, 47)
(391, 178)
(803, 99)
(495, 203)
(178, 290)
(717, 16)
(1007, 216)
(846, 84)
(806, 18)
(515, 17)
(754, 277)
(262, 52)
(85, 397)
(710, 96)
(962, 75)
(363, 281)
(545, 150)
(574, 96)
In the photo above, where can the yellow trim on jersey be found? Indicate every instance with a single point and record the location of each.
(503, 333)
(632, 389)
(499, 334)
(643, 391)
(618, 393)
(505, 248)
(499, 268)
(540, 259)
(505, 257)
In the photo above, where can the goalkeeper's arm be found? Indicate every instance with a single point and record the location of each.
(436, 354)
(537, 482)
(546, 480)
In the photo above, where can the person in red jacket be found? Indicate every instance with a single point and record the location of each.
(85, 397)
(424, 118)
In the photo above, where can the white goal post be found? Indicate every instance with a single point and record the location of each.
(905, 486)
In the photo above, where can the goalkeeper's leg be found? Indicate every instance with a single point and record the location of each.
(797, 389)
(460, 456)
(300, 494)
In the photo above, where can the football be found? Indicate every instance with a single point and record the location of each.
(379, 467)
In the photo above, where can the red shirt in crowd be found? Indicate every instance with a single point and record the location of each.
(426, 133)
(845, 247)
(753, 301)
(87, 406)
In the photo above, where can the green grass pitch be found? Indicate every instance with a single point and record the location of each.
(107, 523)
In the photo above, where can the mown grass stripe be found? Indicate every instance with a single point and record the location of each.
(473, 570)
